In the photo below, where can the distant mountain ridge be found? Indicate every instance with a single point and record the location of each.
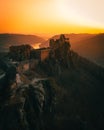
(7, 40)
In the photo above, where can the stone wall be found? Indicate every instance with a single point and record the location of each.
(45, 54)
(19, 53)
(40, 54)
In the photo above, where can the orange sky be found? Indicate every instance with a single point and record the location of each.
(51, 16)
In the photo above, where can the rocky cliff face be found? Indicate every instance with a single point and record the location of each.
(24, 104)
(28, 107)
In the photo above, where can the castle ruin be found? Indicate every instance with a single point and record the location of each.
(58, 48)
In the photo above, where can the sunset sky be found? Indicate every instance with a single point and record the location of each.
(51, 16)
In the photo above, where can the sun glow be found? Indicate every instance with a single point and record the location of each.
(36, 45)
(51, 16)
(70, 13)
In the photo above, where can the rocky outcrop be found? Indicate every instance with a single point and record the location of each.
(25, 106)
(29, 107)
(8, 73)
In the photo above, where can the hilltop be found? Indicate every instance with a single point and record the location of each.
(61, 91)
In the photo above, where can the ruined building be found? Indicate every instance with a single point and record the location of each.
(55, 44)
(59, 49)
(40, 54)
(20, 53)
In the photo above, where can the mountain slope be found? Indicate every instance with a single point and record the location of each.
(92, 48)
(79, 93)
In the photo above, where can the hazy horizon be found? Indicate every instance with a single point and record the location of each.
(51, 16)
